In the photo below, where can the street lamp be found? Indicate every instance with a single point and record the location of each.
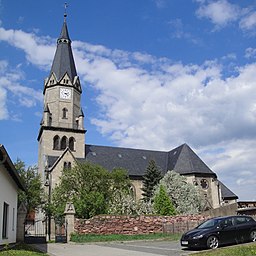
(48, 184)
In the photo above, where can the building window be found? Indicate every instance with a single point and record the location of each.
(63, 143)
(195, 183)
(13, 218)
(64, 113)
(133, 191)
(56, 142)
(50, 120)
(204, 184)
(67, 165)
(65, 81)
(72, 143)
(5, 221)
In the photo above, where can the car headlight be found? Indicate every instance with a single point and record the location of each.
(197, 237)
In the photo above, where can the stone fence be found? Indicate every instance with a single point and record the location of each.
(109, 224)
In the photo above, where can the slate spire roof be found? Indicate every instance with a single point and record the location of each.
(184, 160)
(63, 61)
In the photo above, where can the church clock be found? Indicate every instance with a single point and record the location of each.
(65, 93)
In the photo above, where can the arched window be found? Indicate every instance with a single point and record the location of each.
(67, 165)
(133, 191)
(56, 142)
(64, 113)
(71, 143)
(63, 143)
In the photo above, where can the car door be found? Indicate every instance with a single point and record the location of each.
(227, 231)
(243, 226)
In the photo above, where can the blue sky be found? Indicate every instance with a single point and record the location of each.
(155, 74)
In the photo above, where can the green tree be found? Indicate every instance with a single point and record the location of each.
(162, 203)
(33, 196)
(90, 188)
(186, 198)
(150, 180)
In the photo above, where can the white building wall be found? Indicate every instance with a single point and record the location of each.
(9, 195)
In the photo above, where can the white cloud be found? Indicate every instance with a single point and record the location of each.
(250, 53)
(39, 51)
(179, 32)
(220, 12)
(160, 3)
(248, 22)
(10, 84)
(146, 102)
(3, 108)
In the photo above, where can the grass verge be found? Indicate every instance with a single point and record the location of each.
(117, 237)
(238, 250)
(20, 250)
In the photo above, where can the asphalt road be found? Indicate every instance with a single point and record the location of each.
(141, 248)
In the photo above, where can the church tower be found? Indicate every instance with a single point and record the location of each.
(62, 125)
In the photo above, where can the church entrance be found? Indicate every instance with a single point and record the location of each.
(60, 230)
(35, 231)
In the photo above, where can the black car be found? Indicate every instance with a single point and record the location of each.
(220, 231)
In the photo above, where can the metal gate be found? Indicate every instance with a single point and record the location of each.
(35, 231)
(60, 231)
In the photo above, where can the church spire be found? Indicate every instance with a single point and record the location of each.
(63, 61)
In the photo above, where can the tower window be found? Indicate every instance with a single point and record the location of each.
(65, 81)
(56, 142)
(50, 120)
(63, 143)
(64, 113)
(67, 165)
(71, 143)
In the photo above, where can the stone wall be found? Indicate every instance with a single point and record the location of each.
(230, 209)
(108, 224)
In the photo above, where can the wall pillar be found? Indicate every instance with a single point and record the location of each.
(70, 219)
(21, 216)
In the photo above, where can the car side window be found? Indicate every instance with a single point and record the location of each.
(240, 220)
(227, 222)
(248, 219)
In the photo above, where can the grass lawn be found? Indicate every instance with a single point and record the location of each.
(20, 250)
(238, 250)
(116, 237)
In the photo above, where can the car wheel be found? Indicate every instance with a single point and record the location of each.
(253, 236)
(212, 242)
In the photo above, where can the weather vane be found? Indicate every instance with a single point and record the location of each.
(65, 13)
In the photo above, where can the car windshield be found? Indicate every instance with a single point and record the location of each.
(209, 223)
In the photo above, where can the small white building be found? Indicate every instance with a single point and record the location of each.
(10, 183)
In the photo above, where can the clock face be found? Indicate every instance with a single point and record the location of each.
(65, 93)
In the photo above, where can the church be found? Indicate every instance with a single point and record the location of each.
(62, 141)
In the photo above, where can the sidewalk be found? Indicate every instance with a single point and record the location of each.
(72, 249)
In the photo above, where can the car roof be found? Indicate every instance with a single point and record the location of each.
(231, 216)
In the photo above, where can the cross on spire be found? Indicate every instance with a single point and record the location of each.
(65, 12)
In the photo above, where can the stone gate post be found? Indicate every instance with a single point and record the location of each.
(21, 216)
(69, 219)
